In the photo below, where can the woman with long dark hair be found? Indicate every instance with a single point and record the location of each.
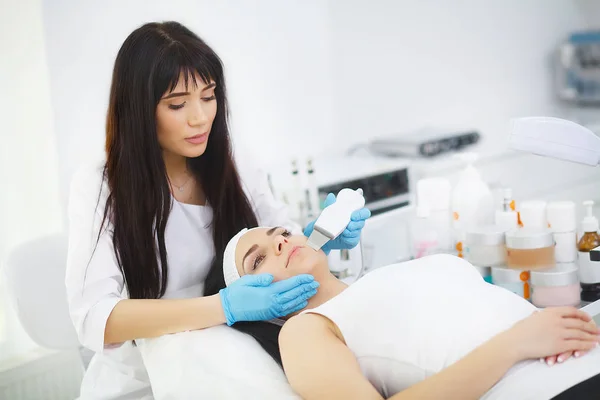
(148, 227)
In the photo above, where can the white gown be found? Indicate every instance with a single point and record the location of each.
(95, 283)
(430, 313)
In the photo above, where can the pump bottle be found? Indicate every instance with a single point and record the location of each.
(589, 271)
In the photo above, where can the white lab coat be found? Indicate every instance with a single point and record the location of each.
(95, 284)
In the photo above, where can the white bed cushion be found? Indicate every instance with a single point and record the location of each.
(214, 363)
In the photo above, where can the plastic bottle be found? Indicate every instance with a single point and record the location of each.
(423, 234)
(472, 202)
(433, 198)
(312, 196)
(507, 217)
(589, 271)
(296, 198)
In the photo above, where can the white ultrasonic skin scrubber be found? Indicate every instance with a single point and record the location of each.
(336, 217)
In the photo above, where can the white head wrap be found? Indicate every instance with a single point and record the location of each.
(230, 271)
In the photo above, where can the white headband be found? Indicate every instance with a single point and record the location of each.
(230, 271)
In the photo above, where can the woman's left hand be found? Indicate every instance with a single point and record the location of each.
(350, 236)
(560, 358)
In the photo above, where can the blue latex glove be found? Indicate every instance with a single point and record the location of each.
(350, 236)
(254, 298)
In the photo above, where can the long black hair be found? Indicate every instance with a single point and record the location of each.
(150, 62)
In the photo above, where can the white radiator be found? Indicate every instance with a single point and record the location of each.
(42, 375)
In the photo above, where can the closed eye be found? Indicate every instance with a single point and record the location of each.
(259, 259)
(176, 106)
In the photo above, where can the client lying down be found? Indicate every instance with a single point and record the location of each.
(431, 328)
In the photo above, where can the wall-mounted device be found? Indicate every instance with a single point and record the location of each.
(578, 68)
(424, 143)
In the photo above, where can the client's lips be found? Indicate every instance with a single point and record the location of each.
(198, 139)
(292, 253)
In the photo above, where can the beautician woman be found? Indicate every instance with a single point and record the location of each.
(148, 227)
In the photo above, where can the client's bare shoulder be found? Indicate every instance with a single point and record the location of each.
(304, 326)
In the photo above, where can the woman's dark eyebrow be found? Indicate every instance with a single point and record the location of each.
(175, 94)
(209, 86)
(255, 246)
(272, 230)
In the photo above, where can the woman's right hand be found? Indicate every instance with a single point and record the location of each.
(257, 298)
(554, 331)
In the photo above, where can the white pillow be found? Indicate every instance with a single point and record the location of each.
(213, 363)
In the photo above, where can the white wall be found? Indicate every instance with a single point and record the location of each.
(400, 65)
(305, 76)
(29, 201)
(275, 53)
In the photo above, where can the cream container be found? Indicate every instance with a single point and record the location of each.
(556, 287)
(484, 246)
(530, 249)
(516, 281)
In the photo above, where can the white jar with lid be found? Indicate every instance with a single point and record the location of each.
(556, 287)
(485, 246)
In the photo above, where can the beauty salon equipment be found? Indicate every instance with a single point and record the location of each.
(556, 287)
(577, 70)
(530, 249)
(334, 219)
(424, 143)
(556, 138)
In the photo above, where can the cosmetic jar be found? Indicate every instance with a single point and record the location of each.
(530, 249)
(484, 246)
(515, 280)
(556, 287)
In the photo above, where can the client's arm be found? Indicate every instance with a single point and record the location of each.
(319, 365)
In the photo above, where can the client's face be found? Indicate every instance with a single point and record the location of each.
(275, 251)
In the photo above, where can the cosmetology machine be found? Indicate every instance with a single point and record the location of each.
(386, 188)
(426, 142)
(578, 68)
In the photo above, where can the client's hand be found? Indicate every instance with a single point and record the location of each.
(256, 298)
(554, 331)
(559, 358)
